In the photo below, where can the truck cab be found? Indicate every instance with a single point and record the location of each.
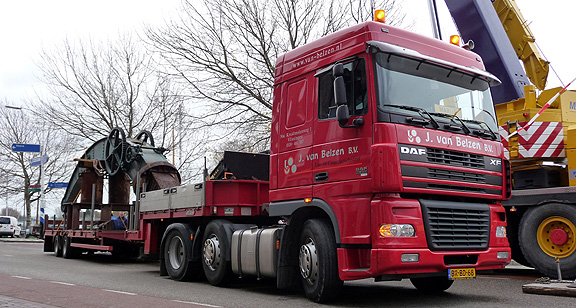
(401, 156)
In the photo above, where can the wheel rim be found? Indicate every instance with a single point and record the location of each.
(212, 256)
(309, 261)
(556, 236)
(176, 252)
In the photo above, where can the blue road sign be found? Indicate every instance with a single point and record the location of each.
(57, 184)
(22, 147)
(36, 160)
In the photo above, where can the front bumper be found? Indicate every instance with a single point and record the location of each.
(387, 264)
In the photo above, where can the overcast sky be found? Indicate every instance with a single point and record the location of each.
(26, 26)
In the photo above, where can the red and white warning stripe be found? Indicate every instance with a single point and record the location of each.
(541, 110)
(541, 139)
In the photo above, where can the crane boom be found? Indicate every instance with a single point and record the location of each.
(477, 21)
(522, 41)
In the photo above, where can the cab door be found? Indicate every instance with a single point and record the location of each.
(342, 154)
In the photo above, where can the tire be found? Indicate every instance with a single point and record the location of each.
(68, 252)
(177, 250)
(514, 241)
(432, 284)
(318, 261)
(546, 232)
(215, 249)
(58, 246)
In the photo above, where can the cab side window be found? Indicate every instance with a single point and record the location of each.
(356, 91)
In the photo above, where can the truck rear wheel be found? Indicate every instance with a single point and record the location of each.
(176, 255)
(318, 261)
(215, 248)
(547, 232)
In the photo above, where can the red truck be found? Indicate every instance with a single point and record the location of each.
(385, 163)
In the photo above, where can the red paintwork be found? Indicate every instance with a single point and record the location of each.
(302, 146)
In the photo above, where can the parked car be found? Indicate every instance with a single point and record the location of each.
(9, 226)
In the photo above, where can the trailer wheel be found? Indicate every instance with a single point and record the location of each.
(58, 246)
(432, 284)
(215, 248)
(176, 251)
(547, 232)
(318, 261)
(68, 252)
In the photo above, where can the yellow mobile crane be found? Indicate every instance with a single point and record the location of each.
(542, 210)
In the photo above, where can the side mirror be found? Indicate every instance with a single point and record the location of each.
(340, 91)
(342, 114)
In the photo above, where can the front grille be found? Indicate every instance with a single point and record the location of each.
(456, 226)
(451, 175)
(415, 164)
(454, 158)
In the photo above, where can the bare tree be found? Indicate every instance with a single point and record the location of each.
(20, 126)
(225, 51)
(96, 86)
(9, 211)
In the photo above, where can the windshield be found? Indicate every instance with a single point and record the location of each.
(438, 93)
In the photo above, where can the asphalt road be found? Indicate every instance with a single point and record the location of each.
(32, 278)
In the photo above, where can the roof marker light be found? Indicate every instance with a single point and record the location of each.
(455, 40)
(380, 16)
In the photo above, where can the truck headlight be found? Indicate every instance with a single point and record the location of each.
(396, 230)
(500, 231)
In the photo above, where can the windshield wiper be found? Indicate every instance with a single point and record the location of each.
(483, 131)
(451, 117)
(420, 112)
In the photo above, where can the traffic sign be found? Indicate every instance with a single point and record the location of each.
(36, 160)
(22, 147)
(34, 188)
(57, 184)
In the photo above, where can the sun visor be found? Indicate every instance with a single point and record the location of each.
(377, 46)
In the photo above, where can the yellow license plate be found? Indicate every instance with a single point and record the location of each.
(461, 273)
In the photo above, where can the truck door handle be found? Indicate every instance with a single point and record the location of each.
(321, 176)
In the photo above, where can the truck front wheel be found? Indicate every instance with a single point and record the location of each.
(318, 261)
(546, 232)
(432, 284)
(214, 251)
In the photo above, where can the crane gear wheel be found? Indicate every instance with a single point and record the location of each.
(145, 137)
(115, 150)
